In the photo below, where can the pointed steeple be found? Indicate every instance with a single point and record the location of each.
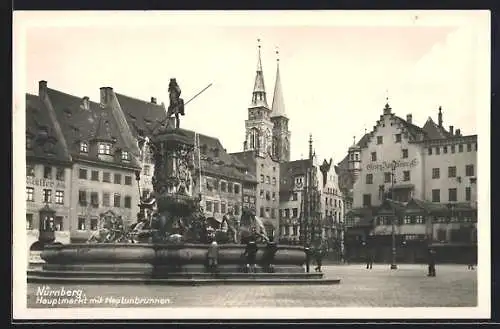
(259, 88)
(278, 108)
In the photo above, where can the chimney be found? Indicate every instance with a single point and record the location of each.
(408, 118)
(86, 103)
(153, 100)
(42, 88)
(106, 94)
(457, 132)
(451, 130)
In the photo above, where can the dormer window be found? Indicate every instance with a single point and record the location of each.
(105, 149)
(125, 156)
(84, 147)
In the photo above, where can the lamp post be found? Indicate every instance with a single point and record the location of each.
(393, 231)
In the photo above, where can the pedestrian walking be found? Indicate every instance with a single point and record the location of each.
(369, 259)
(319, 254)
(432, 263)
(213, 257)
(308, 253)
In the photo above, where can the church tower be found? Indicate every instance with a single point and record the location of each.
(281, 134)
(258, 126)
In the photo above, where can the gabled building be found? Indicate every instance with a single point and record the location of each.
(418, 178)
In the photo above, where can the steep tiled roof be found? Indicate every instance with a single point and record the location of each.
(434, 131)
(80, 124)
(290, 169)
(247, 158)
(40, 129)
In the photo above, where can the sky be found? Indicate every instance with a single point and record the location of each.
(337, 69)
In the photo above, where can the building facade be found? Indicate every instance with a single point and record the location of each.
(421, 181)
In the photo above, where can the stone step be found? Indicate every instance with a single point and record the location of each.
(179, 281)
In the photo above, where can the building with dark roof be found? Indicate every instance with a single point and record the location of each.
(423, 178)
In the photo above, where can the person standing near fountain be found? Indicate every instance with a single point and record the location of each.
(251, 253)
(213, 255)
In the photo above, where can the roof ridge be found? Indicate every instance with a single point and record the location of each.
(139, 100)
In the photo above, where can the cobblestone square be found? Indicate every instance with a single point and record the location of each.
(454, 286)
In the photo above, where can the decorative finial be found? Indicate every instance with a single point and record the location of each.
(258, 43)
(365, 131)
(277, 54)
(353, 140)
(387, 95)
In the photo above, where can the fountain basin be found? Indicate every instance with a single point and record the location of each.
(167, 264)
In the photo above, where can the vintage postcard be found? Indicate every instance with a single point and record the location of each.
(253, 164)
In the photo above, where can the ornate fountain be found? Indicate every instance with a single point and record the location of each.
(170, 240)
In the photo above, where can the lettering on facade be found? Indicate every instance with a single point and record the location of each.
(43, 182)
(387, 165)
(147, 181)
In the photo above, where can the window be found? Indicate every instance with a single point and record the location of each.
(406, 175)
(452, 194)
(295, 196)
(30, 170)
(469, 170)
(419, 219)
(84, 147)
(118, 179)
(223, 208)
(236, 189)
(94, 175)
(208, 206)
(286, 213)
(29, 142)
(262, 212)
(146, 170)
(452, 171)
(295, 230)
(398, 138)
(82, 197)
(59, 197)
(367, 200)
(380, 139)
(117, 200)
(94, 199)
(295, 212)
(229, 187)
(47, 172)
(268, 196)
(452, 148)
(436, 195)
(429, 150)
(82, 225)
(104, 148)
(47, 196)
(435, 173)
(262, 178)
(268, 180)
(460, 148)
(82, 174)
(93, 223)
(374, 156)
(29, 221)
(274, 196)
(262, 194)
(387, 177)
(223, 186)
(128, 180)
(105, 199)
(274, 180)
(216, 207)
(369, 178)
(405, 153)
(58, 224)
(469, 147)
(125, 156)
(467, 194)
(30, 194)
(106, 177)
(407, 219)
(273, 213)
(236, 210)
(128, 201)
(438, 150)
(274, 169)
(445, 149)
(60, 176)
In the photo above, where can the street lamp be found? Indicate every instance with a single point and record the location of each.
(393, 231)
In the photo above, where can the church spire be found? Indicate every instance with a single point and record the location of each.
(278, 108)
(259, 89)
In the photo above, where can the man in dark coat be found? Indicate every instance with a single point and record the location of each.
(251, 254)
(369, 258)
(269, 253)
(213, 257)
(308, 252)
(319, 253)
(432, 262)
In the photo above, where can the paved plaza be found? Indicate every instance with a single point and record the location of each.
(408, 286)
